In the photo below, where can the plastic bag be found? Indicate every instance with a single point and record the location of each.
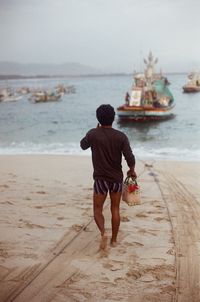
(131, 191)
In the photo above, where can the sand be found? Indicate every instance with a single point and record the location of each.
(49, 248)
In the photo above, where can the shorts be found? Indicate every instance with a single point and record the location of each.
(102, 186)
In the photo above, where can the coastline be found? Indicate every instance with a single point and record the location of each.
(47, 221)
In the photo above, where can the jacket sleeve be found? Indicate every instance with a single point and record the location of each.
(128, 154)
(85, 142)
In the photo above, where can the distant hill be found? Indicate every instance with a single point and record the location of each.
(12, 68)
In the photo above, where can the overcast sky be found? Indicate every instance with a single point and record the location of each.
(112, 35)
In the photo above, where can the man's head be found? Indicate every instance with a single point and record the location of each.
(105, 115)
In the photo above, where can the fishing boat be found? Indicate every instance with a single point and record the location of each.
(193, 84)
(23, 90)
(65, 89)
(44, 96)
(7, 95)
(149, 98)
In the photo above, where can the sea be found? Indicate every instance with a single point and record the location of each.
(57, 127)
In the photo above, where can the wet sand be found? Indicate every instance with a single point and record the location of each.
(49, 248)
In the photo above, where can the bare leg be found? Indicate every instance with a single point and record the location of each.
(98, 202)
(115, 203)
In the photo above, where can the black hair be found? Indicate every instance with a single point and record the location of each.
(105, 115)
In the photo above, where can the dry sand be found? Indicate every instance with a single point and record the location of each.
(49, 241)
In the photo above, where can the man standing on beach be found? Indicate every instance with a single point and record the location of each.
(107, 146)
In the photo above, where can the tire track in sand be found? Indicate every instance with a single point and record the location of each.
(184, 212)
(36, 278)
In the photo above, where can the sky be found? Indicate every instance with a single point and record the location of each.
(110, 35)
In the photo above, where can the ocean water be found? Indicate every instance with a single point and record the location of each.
(56, 128)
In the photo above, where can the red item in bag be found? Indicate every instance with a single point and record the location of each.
(131, 191)
(132, 188)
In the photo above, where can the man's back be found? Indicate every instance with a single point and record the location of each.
(108, 145)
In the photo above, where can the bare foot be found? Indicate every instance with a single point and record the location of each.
(113, 243)
(103, 243)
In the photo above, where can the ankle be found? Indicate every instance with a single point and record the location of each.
(103, 233)
(113, 240)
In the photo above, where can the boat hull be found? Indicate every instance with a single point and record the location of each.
(141, 114)
(46, 98)
(191, 89)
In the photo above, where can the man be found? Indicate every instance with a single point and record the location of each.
(107, 146)
(127, 98)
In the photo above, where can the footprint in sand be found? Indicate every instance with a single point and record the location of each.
(135, 274)
(11, 174)
(3, 187)
(60, 218)
(156, 202)
(154, 212)
(152, 174)
(169, 288)
(159, 207)
(124, 219)
(134, 243)
(113, 265)
(12, 181)
(159, 219)
(138, 244)
(7, 202)
(29, 225)
(143, 231)
(77, 227)
(41, 192)
(148, 165)
(171, 252)
(32, 225)
(147, 278)
(141, 215)
(3, 253)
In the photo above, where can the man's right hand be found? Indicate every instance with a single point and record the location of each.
(132, 173)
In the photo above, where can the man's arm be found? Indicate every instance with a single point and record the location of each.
(84, 143)
(129, 157)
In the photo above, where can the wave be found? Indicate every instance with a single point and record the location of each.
(52, 148)
(170, 153)
(74, 149)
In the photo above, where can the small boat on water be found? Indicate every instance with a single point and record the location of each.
(149, 99)
(7, 95)
(193, 84)
(23, 90)
(44, 96)
(65, 89)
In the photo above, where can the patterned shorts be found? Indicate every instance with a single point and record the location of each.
(102, 186)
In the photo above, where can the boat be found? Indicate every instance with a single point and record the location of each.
(7, 95)
(193, 84)
(150, 98)
(23, 90)
(44, 96)
(65, 89)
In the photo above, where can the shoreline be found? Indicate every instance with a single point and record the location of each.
(49, 241)
(153, 158)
